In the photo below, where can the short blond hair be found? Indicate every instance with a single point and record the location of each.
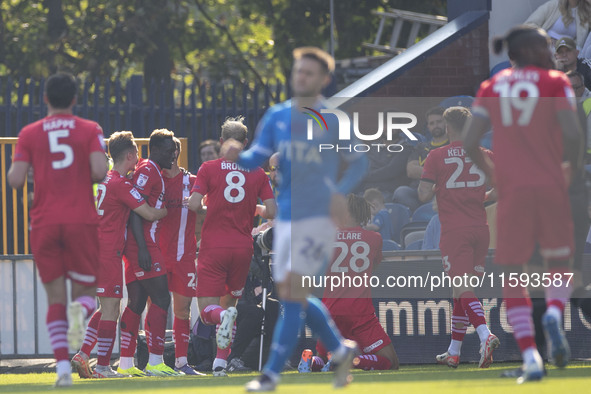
(234, 128)
(314, 53)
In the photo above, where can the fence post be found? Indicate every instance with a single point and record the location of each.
(136, 99)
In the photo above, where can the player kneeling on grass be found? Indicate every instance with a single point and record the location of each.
(116, 198)
(358, 253)
(461, 191)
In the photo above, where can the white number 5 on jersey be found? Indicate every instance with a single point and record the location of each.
(56, 147)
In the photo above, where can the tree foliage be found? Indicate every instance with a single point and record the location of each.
(204, 39)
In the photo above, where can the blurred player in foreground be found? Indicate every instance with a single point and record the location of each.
(532, 111)
(226, 242)
(68, 156)
(116, 198)
(357, 252)
(461, 191)
(308, 193)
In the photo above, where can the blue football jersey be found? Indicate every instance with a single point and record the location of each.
(307, 174)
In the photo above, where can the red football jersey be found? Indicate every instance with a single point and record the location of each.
(116, 197)
(177, 237)
(357, 253)
(459, 186)
(232, 194)
(58, 148)
(527, 138)
(150, 183)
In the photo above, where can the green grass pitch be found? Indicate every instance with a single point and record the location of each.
(409, 379)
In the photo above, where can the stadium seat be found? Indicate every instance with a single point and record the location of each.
(500, 66)
(400, 215)
(390, 245)
(411, 227)
(424, 213)
(416, 245)
(412, 237)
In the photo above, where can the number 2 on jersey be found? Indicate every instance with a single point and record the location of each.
(453, 183)
(101, 191)
(356, 256)
(511, 99)
(56, 147)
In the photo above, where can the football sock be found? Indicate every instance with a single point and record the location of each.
(57, 326)
(90, 337)
(369, 362)
(219, 362)
(455, 347)
(557, 296)
(473, 309)
(155, 359)
(459, 325)
(63, 367)
(88, 305)
(130, 324)
(156, 318)
(212, 314)
(107, 331)
(519, 316)
(180, 334)
(319, 320)
(223, 354)
(284, 338)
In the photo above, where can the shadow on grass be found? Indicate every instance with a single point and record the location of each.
(417, 373)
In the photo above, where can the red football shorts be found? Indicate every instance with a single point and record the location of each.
(110, 273)
(464, 250)
(69, 250)
(533, 215)
(222, 271)
(182, 277)
(133, 271)
(366, 330)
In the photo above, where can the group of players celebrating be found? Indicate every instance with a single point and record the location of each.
(145, 214)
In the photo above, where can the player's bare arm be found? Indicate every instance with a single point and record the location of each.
(268, 210)
(17, 174)
(473, 132)
(572, 139)
(426, 191)
(149, 213)
(194, 203)
(414, 170)
(98, 166)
